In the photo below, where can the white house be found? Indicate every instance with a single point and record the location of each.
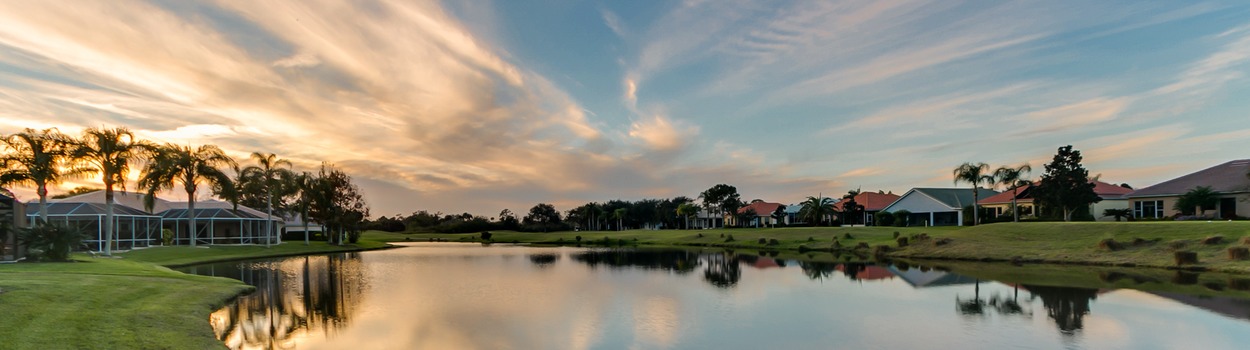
(936, 206)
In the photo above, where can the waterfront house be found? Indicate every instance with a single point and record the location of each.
(763, 216)
(1112, 198)
(936, 206)
(872, 202)
(1227, 180)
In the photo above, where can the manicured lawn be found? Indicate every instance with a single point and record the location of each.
(128, 302)
(1078, 243)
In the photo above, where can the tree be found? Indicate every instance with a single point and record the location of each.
(171, 164)
(508, 220)
(542, 217)
(686, 210)
(269, 170)
(619, 214)
(38, 158)
(850, 208)
(1118, 213)
(816, 209)
(722, 198)
(1065, 185)
(779, 214)
(337, 204)
(110, 153)
(974, 174)
(884, 218)
(76, 191)
(1197, 199)
(1013, 178)
(305, 186)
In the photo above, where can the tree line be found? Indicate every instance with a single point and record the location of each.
(43, 158)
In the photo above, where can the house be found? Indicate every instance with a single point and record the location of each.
(1112, 198)
(936, 206)
(872, 202)
(763, 216)
(12, 217)
(1227, 180)
(794, 213)
(135, 226)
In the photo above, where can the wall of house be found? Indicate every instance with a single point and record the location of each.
(1096, 209)
(1241, 202)
(1168, 202)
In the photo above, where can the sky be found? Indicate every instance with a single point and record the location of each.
(478, 106)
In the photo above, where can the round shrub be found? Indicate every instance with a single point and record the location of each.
(486, 235)
(728, 239)
(763, 240)
(578, 238)
(774, 241)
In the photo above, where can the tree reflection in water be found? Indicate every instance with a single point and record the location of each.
(544, 260)
(678, 261)
(294, 297)
(1066, 305)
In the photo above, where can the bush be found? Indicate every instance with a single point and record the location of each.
(1109, 244)
(774, 241)
(902, 242)
(486, 235)
(353, 236)
(1182, 258)
(1213, 240)
(1238, 253)
(847, 235)
(902, 218)
(729, 239)
(578, 238)
(763, 240)
(167, 237)
(50, 241)
(884, 218)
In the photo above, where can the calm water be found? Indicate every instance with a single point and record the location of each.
(455, 296)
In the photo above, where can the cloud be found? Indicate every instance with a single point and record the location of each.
(663, 134)
(614, 23)
(300, 60)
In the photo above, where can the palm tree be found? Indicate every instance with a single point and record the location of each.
(1013, 178)
(686, 210)
(269, 169)
(110, 152)
(38, 158)
(974, 174)
(304, 185)
(179, 164)
(619, 215)
(816, 209)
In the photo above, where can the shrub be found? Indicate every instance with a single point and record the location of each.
(942, 242)
(803, 249)
(896, 234)
(1177, 244)
(50, 241)
(902, 242)
(884, 218)
(1183, 257)
(578, 238)
(773, 241)
(1109, 244)
(763, 240)
(485, 235)
(167, 237)
(700, 235)
(862, 245)
(728, 239)
(902, 218)
(811, 239)
(1238, 253)
(847, 235)
(837, 244)
(1213, 240)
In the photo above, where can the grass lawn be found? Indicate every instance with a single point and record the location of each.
(129, 302)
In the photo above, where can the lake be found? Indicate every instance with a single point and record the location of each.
(469, 296)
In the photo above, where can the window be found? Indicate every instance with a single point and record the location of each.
(1148, 209)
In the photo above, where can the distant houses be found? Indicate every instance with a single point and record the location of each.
(1228, 181)
(872, 202)
(761, 214)
(936, 206)
(1112, 198)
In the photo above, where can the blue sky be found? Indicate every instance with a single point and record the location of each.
(485, 105)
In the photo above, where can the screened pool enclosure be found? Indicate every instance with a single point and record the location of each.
(133, 227)
(221, 226)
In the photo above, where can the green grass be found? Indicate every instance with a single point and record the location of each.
(1078, 243)
(132, 301)
(1101, 277)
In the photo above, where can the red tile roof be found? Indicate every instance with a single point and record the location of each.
(872, 201)
(1103, 189)
(761, 208)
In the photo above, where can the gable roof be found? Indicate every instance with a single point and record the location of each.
(954, 197)
(133, 200)
(1109, 191)
(761, 208)
(86, 209)
(872, 201)
(1229, 177)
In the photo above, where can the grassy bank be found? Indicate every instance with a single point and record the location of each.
(1050, 242)
(129, 302)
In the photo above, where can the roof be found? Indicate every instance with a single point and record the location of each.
(1024, 195)
(872, 201)
(1229, 177)
(86, 209)
(129, 199)
(214, 213)
(761, 208)
(954, 197)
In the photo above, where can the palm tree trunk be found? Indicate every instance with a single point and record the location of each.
(191, 216)
(305, 220)
(43, 203)
(975, 213)
(1015, 210)
(108, 217)
(268, 217)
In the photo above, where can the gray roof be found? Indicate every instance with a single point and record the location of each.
(1229, 177)
(955, 197)
(87, 209)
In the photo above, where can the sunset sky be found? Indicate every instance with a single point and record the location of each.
(483, 105)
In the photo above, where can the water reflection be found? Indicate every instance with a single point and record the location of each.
(473, 297)
(293, 297)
